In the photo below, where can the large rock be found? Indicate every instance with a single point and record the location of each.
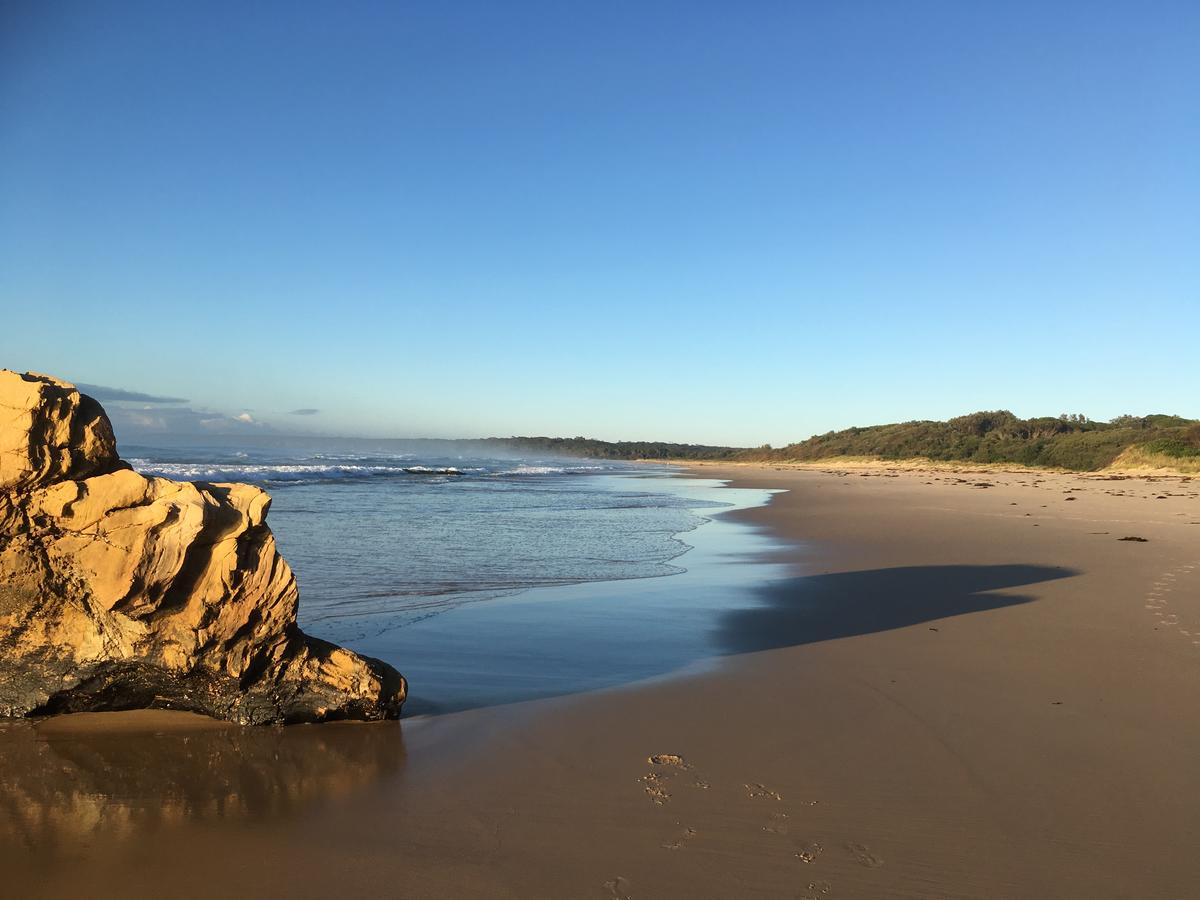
(119, 591)
(49, 431)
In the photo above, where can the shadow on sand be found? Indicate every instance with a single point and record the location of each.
(630, 646)
(823, 607)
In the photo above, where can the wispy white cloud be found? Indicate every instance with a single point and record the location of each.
(120, 395)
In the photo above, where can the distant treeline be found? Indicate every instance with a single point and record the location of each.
(594, 449)
(1067, 442)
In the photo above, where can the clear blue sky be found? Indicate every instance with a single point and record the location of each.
(720, 222)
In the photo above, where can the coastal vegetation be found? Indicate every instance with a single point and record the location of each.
(1069, 441)
(1072, 442)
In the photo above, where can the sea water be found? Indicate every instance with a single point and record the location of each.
(491, 579)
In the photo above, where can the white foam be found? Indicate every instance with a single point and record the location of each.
(533, 470)
(554, 470)
(327, 469)
(257, 472)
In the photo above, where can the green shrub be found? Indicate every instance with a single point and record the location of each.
(1067, 441)
(1178, 447)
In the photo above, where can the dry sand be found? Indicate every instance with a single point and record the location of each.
(971, 688)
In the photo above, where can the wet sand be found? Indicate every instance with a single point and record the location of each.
(966, 686)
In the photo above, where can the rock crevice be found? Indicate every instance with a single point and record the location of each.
(121, 591)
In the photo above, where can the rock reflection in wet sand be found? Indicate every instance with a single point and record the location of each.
(67, 784)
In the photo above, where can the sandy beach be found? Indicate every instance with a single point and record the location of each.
(613, 451)
(974, 685)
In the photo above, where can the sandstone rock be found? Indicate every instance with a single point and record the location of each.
(119, 591)
(49, 431)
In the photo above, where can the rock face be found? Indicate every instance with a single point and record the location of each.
(50, 432)
(119, 591)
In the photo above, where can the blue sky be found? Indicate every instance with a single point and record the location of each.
(729, 223)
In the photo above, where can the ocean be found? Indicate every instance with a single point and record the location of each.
(491, 579)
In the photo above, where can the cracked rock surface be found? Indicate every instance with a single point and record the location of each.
(119, 591)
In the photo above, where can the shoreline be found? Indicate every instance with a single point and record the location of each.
(511, 649)
(971, 692)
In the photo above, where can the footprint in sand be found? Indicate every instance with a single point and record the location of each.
(673, 760)
(757, 791)
(863, 856)
(655, 789)
(669, 761)
(809, 852)
(669, 764)
(677, 844)
(619, 888)
(1158, 602)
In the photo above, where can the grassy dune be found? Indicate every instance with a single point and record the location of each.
(1140, 458)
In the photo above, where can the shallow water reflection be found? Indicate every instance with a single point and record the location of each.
(64, 790)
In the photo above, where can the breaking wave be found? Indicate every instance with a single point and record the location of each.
(323, 469)
(279, 472)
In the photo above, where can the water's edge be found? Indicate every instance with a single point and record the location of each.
(569, 639)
